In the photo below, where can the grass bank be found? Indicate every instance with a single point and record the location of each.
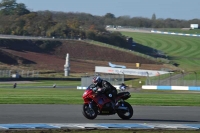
(180, 49)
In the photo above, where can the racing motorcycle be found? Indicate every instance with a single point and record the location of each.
(96, 103)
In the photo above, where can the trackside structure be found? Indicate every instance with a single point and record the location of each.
(67, 66)
(115, 75)
(194, 26)
(135, 72)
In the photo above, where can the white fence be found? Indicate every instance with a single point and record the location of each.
(18, 73)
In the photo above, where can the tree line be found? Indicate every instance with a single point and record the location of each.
(16, 19)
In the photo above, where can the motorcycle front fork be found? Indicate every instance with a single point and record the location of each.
(91, 104)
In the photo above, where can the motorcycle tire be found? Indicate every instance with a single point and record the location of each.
(88, 112)
(122, 113)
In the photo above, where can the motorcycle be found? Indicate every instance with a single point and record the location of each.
(96, 103)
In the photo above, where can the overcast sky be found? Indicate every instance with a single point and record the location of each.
(177, 9)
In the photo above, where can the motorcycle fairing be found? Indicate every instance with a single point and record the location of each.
(123, 95)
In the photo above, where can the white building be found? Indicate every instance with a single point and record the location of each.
(194, 26)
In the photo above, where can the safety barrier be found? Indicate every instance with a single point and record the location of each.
(189, 88)
(172, 33)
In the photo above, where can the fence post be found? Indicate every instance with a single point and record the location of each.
(10, 73)
(147, 78)
(183, 77)
(195, 78)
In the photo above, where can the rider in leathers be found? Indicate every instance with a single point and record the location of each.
(109, 90)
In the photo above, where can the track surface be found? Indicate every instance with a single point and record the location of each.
(72, 114)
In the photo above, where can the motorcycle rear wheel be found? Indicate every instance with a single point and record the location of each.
(88, 112)
(125, 114)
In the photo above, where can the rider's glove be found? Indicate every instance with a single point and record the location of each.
(94, 89)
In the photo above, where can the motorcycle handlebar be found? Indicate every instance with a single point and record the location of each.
(94, 89)
(97, 90)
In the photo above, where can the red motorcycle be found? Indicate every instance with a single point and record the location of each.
(96, 103)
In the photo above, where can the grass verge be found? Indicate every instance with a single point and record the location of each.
(74, 96)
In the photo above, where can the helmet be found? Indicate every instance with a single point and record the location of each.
(96, 80)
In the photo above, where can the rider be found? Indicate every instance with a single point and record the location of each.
(109, 90)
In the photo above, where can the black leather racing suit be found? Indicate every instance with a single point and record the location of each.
(107, 88)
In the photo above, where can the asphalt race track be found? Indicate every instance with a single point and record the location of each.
(27, 113)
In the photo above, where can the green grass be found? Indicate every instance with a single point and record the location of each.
(40, 96)
(42, 83)
(180, 49)
(165, 99)
(74, 96)
(35, 93)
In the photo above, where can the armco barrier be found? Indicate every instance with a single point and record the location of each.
(189, 88)
(42, 78)
(172, 33)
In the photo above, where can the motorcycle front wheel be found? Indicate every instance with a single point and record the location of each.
(125, 114)
(88, 112)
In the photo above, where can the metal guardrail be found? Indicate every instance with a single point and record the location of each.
(179, 79)
(18, 73)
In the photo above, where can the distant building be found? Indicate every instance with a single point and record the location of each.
(194, 26)
(16, 75)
